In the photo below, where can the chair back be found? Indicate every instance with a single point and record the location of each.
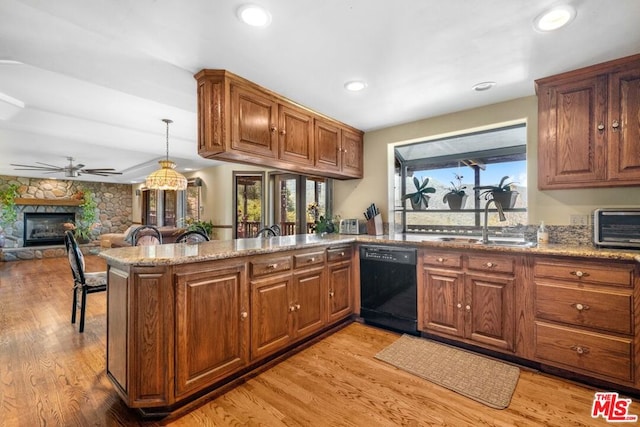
(76, 258)
(266, 232)
(276, 229)
(146, 235)
(192, 236)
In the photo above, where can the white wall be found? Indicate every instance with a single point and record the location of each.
(552, 206)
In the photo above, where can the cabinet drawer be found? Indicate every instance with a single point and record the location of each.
(305, 260)
(270, 266)
(339, 254)
(495, 264)
(443, 259)
(592, 308)
(587, 351)
(584, 272)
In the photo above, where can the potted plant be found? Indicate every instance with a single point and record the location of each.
(8, 212)
(199, 225)
(502, 193)
(420, 198)
(456, 197)
(86, 221)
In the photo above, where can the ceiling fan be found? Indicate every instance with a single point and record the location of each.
(70, 171)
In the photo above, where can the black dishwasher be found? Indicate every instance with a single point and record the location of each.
(388, 287)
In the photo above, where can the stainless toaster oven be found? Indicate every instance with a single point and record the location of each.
(617, 228)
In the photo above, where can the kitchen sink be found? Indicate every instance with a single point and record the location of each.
(458, 239)
(512, 243)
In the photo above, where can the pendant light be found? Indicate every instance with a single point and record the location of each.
(166, 178)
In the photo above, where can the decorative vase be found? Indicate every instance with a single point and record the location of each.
(507, 199)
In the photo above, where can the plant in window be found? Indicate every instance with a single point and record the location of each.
(503, 193)
(420, 198)
(456, 196)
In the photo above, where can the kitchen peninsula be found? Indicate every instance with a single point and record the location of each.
(185, 320)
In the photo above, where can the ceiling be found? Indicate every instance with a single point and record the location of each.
(97, 77)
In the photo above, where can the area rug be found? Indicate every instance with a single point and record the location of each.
(477, 377)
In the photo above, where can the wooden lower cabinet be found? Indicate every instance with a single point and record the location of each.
(175, 332)
(469, 297)
(586, 317)
(340, 271)
(212, 326)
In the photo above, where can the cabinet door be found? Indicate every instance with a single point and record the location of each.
(212, 327)
(295, 140)
(571, 146)
(271, 315)
(340, 293)
(490, 310)
(328, 148)
(309, 302)
(253, 122)
(352, 153)
(443, 301)
(624, 126)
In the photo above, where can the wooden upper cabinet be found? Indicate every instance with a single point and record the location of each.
(253, 122)
(242, 122)
(588, 127)
(328, 139)
(295, 135)
(624, 149)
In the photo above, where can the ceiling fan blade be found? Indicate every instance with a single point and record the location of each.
(100, 172)
(36, 168)
(48, 165)
(99, 169)
(77, 167)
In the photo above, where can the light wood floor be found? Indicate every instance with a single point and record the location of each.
(51, 375)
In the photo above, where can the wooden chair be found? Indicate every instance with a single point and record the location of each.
(266, 232)
(146, 235)
(192, 236)
(83, 282)
(276, 229)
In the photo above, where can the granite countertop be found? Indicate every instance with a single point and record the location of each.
(183, 253)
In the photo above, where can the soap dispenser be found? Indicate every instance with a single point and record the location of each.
(543, 236)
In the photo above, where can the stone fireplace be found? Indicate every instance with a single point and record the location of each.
(45, 228)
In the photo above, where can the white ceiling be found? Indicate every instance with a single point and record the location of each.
(97, 77)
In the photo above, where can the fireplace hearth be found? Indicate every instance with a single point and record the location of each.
(45, 228)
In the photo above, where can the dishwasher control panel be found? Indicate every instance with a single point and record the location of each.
(388, 254)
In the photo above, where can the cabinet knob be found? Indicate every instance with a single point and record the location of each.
(341, 253)
(467, 307)
(273, 128)
(292, 308)
(489, 264)
(331, 293)
(615, 125)
(311, 259)
(600, 127)
(297, 306)
(244, 315)
(580, 307)
(440, 259)
(579, 273)
(580, 349)
(459, 305)
(283, 132)
(272, 266)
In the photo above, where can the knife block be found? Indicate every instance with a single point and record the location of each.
(374, 226)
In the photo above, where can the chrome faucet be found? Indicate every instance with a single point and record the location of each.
(485, 229)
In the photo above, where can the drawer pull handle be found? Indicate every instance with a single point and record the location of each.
(312, 259)
(331, 293)
(244, 315)
(579, 273)
(272, 266)
(341, 253)
(490, 265)
(580, 307)
(580, 349)
(440, 259)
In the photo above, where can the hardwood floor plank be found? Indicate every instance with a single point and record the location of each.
(51, 375)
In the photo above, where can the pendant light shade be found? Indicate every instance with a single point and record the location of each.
(166, 178)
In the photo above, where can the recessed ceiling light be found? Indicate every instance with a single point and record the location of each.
(554, 18)
(355, 85)
(254, 15)
(480, 87)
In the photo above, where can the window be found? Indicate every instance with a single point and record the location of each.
(477, 159)
(248, 197)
